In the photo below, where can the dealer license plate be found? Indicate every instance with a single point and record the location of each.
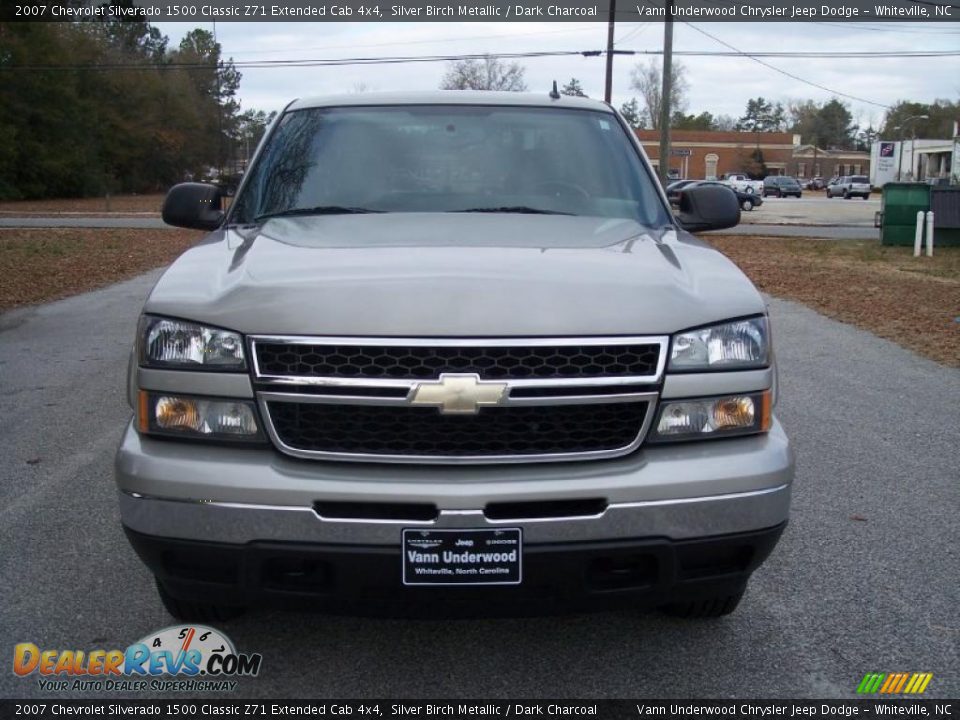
(462, 557)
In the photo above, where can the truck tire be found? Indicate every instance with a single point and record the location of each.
(192, 611)
(712, 606)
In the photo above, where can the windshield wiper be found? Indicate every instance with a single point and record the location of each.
(525, 209)
(318, 210)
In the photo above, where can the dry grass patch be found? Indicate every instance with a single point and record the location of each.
(42, 264)
(115, 204)
(913, 301)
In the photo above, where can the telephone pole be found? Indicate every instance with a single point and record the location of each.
(608, 89)
(665, 94)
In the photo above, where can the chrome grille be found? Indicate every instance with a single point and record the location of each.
(424, 432)
(429, 361)
(363, 398)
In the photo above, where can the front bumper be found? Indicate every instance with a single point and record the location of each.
(632, 573)
(238, 496)
(251, 526)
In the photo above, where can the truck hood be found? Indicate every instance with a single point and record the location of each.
(453, 275)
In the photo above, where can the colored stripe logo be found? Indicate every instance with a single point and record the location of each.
(894, 683)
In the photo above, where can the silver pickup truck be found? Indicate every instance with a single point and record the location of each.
(455, 349)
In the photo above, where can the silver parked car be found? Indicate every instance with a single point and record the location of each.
(849, 186)
(452, 347)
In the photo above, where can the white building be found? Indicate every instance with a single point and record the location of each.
(911, 160)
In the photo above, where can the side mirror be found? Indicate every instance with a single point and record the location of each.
(193, 205)
(708, 207)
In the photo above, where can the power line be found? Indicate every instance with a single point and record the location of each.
(889, 27)
(391, 60)
(784, 72)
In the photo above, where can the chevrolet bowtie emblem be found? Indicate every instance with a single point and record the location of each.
(461, 393)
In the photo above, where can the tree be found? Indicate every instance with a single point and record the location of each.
(138, 128)
(725, 123)
(762, 116)
(942, 113)
(487, 74)
(648, 81)
(703, 121)
(866, 137)
(754, 165)
(827, 126)
(635, 117)
(573, 88)
(249, 130)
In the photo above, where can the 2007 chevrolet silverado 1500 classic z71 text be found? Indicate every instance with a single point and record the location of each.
(454, 347)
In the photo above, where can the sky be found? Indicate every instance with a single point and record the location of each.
(719, 85)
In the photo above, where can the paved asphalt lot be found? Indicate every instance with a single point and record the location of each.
(876, 431)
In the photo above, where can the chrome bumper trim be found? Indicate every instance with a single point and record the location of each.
(241, 522)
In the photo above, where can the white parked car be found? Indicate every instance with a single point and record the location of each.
(850, 186)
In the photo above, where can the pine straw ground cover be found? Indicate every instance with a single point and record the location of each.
(116, 204)
(914, 302)
(42, 264)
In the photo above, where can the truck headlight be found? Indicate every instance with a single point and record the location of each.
(185, 416)
(178, 344)
(737, 345)
(700, 419)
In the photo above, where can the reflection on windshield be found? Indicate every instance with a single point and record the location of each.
(450, 159)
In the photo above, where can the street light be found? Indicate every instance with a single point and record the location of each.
(913, 137)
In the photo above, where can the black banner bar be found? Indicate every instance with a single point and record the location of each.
(455, 709)
(485, 10)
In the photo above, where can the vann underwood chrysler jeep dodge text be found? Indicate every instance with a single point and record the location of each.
(452, 346)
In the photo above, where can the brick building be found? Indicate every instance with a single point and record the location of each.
(810, 161)
(709, 154)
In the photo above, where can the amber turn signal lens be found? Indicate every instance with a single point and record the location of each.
(178, 413)
(703, 418)
(735, 412)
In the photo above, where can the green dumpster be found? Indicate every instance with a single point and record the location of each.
(898, 211)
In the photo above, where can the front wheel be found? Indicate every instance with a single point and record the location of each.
(846, 195)
(712, 606)
(747, 205)
(193, 611)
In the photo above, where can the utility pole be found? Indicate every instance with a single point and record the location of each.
(665, 94)
(608, 89)
(216, 75)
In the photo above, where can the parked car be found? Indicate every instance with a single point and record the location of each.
(741, 182)
(850, 186)
(781, 186)
(429, 355)
(747, 200)
(817, 183)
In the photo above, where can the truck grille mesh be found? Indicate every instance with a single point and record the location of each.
(424, 362)
(504, 431)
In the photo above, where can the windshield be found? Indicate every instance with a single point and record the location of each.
(437, 158)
